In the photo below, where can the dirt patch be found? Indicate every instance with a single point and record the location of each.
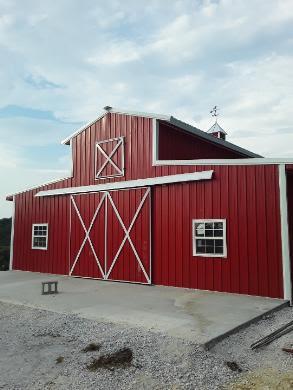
(92, 347)
(119, 359)
(264, 379)
(233, 366)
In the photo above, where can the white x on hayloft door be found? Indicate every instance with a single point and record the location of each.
(110, 235)
(109, 159)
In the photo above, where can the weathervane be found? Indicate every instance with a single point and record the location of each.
(215, 113)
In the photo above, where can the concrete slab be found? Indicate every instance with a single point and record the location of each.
(196, 315)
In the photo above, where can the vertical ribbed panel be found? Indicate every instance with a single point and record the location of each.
(247, 198)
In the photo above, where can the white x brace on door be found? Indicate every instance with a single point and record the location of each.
(110, 235)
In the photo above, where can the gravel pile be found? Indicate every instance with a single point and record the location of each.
(265, 368)
(32, 340)
(45, 350)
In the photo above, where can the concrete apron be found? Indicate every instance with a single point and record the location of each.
(200, 316)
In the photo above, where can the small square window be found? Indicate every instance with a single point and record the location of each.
(209, 238)
(40, 236)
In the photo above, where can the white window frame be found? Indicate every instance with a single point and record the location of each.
(194, 238)
(34, 235)
(120, 144)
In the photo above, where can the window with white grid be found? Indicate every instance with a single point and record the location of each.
(40, 236)
(209, 237)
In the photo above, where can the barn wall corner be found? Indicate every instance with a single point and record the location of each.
(285, 234)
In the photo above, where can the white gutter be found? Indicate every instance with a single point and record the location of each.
(152, 181)
(225, 161)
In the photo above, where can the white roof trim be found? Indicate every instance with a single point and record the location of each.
(113, 110)
(231, 161)
(39, 186)
(66, 141)
(181, 178)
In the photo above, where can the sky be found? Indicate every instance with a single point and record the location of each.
(62, 61)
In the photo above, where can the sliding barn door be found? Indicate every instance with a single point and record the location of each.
(110, 235)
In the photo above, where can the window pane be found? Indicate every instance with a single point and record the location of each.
(210, 249)
(218, 225)
(219, 250)
(209, 233)
(199, 229)
(209, 225)
(200, 246)
(219, 243)
(218, 233)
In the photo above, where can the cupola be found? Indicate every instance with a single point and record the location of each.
(216, 130)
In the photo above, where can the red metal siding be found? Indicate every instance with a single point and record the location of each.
(55, 212)
(247, 196)
(175, 144)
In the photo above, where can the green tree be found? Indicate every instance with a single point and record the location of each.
(5, 231)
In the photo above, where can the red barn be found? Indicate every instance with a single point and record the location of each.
(154, 200)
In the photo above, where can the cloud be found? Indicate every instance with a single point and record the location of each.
(61, 62)
(117, 53)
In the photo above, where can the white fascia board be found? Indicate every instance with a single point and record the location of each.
(67, 140)
(235, 161)
(114, 110)
(39, 186)
(152, 181)
(286, 266)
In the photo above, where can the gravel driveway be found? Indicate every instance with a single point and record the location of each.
(45, 350)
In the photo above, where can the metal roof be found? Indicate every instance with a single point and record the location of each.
(212, 139)
(176, 122)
